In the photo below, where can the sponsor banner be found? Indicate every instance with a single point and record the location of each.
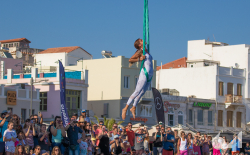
(159, 108)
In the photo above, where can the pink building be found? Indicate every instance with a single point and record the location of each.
(48, 85)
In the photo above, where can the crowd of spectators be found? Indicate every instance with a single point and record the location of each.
(80, 137)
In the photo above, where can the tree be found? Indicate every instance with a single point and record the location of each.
(107, 122)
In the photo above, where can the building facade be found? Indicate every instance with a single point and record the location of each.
(179, 63)
(203, 115)
(18, 100)
(21, 45)
(48, 84)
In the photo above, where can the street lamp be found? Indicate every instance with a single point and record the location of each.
(31, 91)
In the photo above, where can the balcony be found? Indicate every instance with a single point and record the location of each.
(233, 100)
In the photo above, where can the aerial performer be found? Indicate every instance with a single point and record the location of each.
(145, 76)
(146, 71)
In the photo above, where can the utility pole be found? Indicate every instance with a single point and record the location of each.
(31, 94)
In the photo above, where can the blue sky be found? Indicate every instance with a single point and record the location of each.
(114, 25)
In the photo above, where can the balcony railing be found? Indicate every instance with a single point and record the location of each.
(233, 98)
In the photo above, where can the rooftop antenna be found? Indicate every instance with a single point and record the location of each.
(214, 38)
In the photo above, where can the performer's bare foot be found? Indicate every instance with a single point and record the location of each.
(124, 111)
(133, 111)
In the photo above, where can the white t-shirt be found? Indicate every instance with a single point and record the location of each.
(224, 146)
(8, 134)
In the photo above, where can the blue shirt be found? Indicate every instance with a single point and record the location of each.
(235, 145)
(247, 148)
(3, 128)
(73, 134)
(168, 145)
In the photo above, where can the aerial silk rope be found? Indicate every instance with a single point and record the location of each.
(145, 37)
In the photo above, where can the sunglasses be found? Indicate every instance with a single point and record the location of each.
(158, 128)
(101, 124)
(130, 125)
(56, 149)
(81, 122)
(38, 148)
(88, 125)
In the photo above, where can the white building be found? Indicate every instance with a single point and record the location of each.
(205, 78)
(67, 55)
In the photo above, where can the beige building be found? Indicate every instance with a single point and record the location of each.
(21, 99)
(111, 82)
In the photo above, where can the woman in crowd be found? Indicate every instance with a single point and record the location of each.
(88, 128)
(210, 145)
(124, 136)
(127, 148)
(224, 147)
(176, 138)
(21, 139)
(29, 132)
(104, 141)
(37, 150)
(117, 146)
(56, 151)
(43, 139)
(146, 142)
(190, 144)
(9, 137)
(19, 150)
(58, 132)
(182, 145)
(205, 145)
(196, 145)
(216, 147)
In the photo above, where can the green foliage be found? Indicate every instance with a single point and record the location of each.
(107, 122)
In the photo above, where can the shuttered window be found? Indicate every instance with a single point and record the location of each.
(238, 120)
(210, 118)
(200, 117)
(230, 88)
(239, 90)
(190, 117)
(220, 118)
(229, 119)
(221, 93)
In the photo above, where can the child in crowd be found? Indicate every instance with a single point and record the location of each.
(19, 150)
(89, 142)
(9, 137)
(43, 139)
(56, 151)
(146, 142)
(21, 139)
(37, 150)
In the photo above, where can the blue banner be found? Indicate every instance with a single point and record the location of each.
(64, 113)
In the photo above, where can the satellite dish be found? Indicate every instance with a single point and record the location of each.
(19, 54)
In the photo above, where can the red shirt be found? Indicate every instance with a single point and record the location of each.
(97, 132)
(131, 137)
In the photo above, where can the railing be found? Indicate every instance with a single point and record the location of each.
(233, 99)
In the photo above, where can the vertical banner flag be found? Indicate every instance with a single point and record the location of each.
(159, 109)
(64, 113)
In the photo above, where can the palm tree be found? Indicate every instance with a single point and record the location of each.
(107, 122)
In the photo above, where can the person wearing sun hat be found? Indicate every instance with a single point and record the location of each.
(83, 113)
(117, 146)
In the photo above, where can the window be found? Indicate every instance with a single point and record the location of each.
(170, 120)
(221, 93)
(23, 115)
(190, 116)
(126, 81)
(238, 120)
(33, 111)
(43, 102)
(146, 110)
(230, 88)
(73, 99)
(229, 119)
(239, 90)
(180, 117)
(220, 118)
(200, 117)
(210, 118)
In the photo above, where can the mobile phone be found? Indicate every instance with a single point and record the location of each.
(9, 111)
(39, 113)
(31, 121)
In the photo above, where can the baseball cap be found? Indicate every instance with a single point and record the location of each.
(4, 111)
(116, 136)
(83, 110)
(160, 122)
(88, 135)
